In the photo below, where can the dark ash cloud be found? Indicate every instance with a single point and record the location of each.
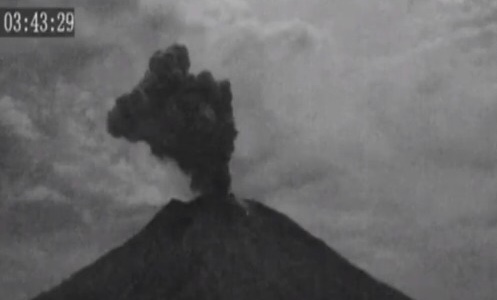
(182, 116)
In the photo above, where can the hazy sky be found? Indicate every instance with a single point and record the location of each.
(372, 123)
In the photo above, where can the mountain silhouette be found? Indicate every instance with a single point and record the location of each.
(220, 248)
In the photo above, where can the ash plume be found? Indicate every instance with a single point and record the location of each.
(181, 116)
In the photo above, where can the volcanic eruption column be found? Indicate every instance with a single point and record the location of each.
(181, 116)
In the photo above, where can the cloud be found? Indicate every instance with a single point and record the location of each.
(16, 120)
(34, 219)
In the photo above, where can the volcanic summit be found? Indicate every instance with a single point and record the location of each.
(215, 247)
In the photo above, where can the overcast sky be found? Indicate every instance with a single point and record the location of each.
(371, 123)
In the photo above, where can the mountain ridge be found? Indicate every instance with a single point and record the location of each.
(215, 248)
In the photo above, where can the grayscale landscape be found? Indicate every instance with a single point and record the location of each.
(352, 154)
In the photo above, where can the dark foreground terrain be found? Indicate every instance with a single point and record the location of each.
(212, 249)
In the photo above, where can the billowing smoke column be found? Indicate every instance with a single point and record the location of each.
(181, 116)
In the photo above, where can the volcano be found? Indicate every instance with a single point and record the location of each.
(215, 247)
(221, 249)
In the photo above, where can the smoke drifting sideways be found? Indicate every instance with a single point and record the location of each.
(184, 117)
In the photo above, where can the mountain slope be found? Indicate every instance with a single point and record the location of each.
(218, 249)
